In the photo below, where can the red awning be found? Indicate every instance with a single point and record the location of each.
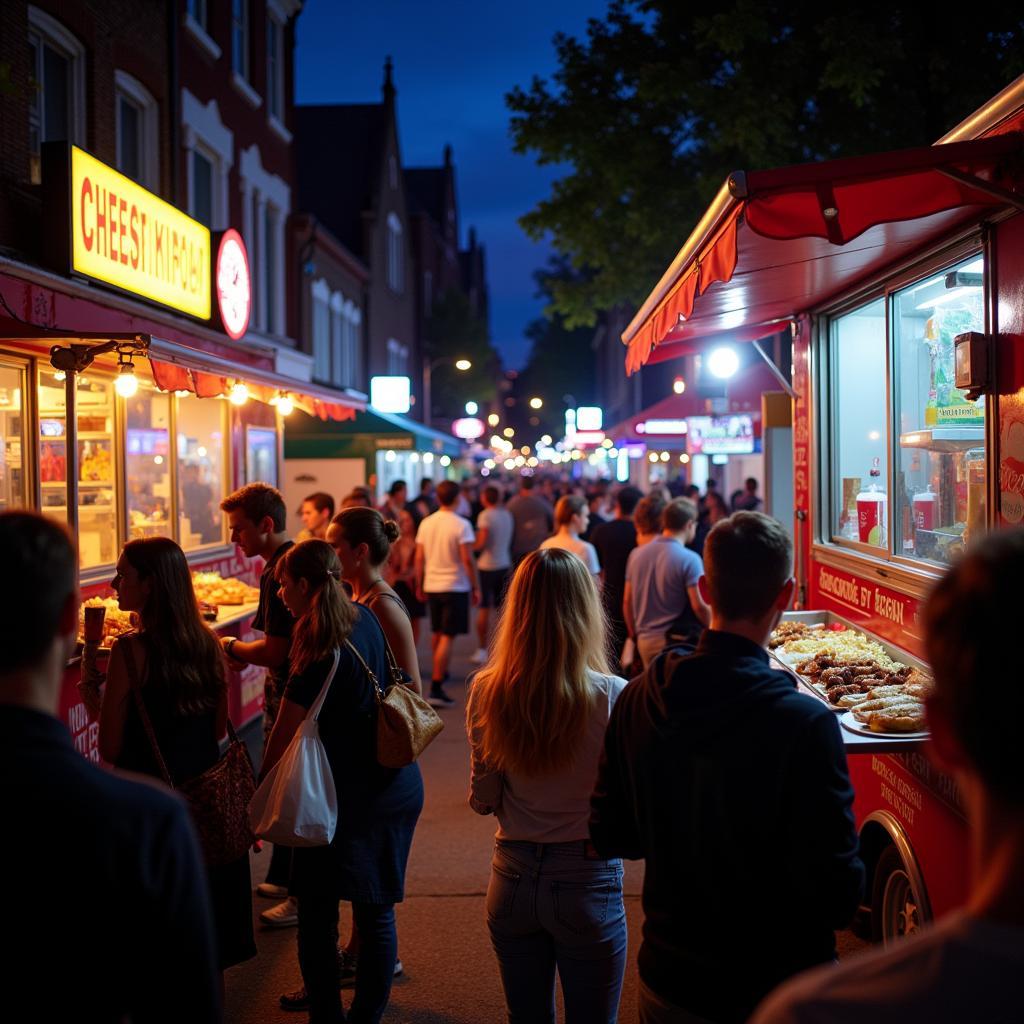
(776, 243)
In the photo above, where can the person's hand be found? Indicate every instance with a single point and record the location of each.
(226, 642)
(476, 596)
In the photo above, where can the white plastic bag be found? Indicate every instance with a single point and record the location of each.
(297, 803)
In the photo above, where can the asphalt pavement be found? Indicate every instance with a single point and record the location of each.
(450, 973)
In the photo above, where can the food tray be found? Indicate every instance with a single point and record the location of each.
(856, 742)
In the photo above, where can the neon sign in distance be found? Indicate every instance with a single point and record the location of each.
(390, 394)
(589, 417)
(233, 283)
(661, 427)
(468, 428)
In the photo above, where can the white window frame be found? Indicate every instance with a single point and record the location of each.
(338, 368)
(259, 188)
(395, 253)
(52, 33)
(204, 130)
(200, 30)
(131, 89)
(320, 329)
(275, 72)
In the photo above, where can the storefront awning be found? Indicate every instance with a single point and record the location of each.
(776, 243)
(177, 368)
(368, 429)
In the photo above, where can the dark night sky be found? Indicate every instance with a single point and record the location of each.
(454, 62)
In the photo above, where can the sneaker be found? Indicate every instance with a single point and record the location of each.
(299, 999)
(438, 698)
(284, 915)
(271, 891)
(480, 656)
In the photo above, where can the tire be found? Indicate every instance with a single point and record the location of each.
(896, 908)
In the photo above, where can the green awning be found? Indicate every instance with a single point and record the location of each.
(306, 437)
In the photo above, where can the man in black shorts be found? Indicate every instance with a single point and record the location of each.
(446, 579)
(494, 529)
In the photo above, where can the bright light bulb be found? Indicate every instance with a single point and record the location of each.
(546, 440)
(472, 408)
(158, 460)
(607, 443)
(723, 362)
(239, 394)
(536, 403)
(201, 452)
(463, 364)
(127, 384)
(414, 457)
(493, 420)
(445, 460)
(60, 375)
(653, 457)
(679, 385)
(509, 432)
(428, 457)
(390, 456)
(684, 458)
(285, 405)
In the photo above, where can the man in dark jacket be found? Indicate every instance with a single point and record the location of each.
(733, 788)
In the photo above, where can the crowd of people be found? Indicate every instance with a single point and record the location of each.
(707, 764)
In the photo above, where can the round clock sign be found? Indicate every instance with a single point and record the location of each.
(233, 284)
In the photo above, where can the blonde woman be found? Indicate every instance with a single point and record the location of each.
(536, 725)
(572, 517)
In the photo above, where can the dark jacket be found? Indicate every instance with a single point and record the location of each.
(114, 858)
(733, 787)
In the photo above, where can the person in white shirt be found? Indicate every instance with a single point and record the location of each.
(969, 966)
(494, 529)
(571, 519)
(446, 579)
(536, 717)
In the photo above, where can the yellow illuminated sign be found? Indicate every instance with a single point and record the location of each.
(128, 237)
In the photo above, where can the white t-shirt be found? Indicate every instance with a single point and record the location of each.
(583, 550)
(550, 808)
(962, 970)
(499, 524)
(441, 535)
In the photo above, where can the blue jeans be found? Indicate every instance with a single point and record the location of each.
(548, 907)
(318, 959)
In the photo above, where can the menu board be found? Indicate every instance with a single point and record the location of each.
(720, 435)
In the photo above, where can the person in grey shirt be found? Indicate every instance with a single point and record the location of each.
(661, 597)
(494, 528)
(534, 520)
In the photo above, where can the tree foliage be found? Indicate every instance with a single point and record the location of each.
(662, 100)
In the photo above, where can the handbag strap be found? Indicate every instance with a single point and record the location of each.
(314, 710)
(140, 705)
(379, 693)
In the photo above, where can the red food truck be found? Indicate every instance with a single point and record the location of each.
(900, 279)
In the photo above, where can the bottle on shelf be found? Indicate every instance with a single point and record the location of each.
(872, 509)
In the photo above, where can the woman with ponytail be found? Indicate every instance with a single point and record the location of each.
(378, 807)
(537, 714)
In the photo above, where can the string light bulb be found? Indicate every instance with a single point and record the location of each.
(285, 404)
(239, 393)
(126, 384)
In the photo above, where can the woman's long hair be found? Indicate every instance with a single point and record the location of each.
(328, 620)
(528, 706)
(184, 655)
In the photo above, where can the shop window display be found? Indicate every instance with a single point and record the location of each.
(148, 463)
(859, 425)
(201, 471)
(940, 482)
(12, 438)
(261, 455)
(97, 479)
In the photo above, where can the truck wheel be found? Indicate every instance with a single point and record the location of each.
(895, 906)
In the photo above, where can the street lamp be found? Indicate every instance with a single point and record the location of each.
(536, 403)
(429, 365)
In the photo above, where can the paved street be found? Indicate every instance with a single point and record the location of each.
(450, 972)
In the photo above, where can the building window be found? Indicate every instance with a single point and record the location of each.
(197, 12)
(339, 373)
(396, 270)
(270, 262)
(275, 68)
(321, 332)
(57, 94)
(398, 358)
(137, 133)
(240, 37)
(201, 205)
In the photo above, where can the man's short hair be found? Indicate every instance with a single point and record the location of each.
(447, 493)
(627, 498)
(691, 491)
(257, 501)
(526, 483)
(39, 557)
(492, 495)
(747, 559)
(678, 515)
(320, 500)
(398, 485)
(971, 620)
(647, 516)
(751, 483)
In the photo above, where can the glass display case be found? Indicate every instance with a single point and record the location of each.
(891, 390)
(148, 463)
(940, 484)
(201, 471)
(12, 437)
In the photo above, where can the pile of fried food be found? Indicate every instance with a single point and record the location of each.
(855, 674)
(212, 589)
(115, 622)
